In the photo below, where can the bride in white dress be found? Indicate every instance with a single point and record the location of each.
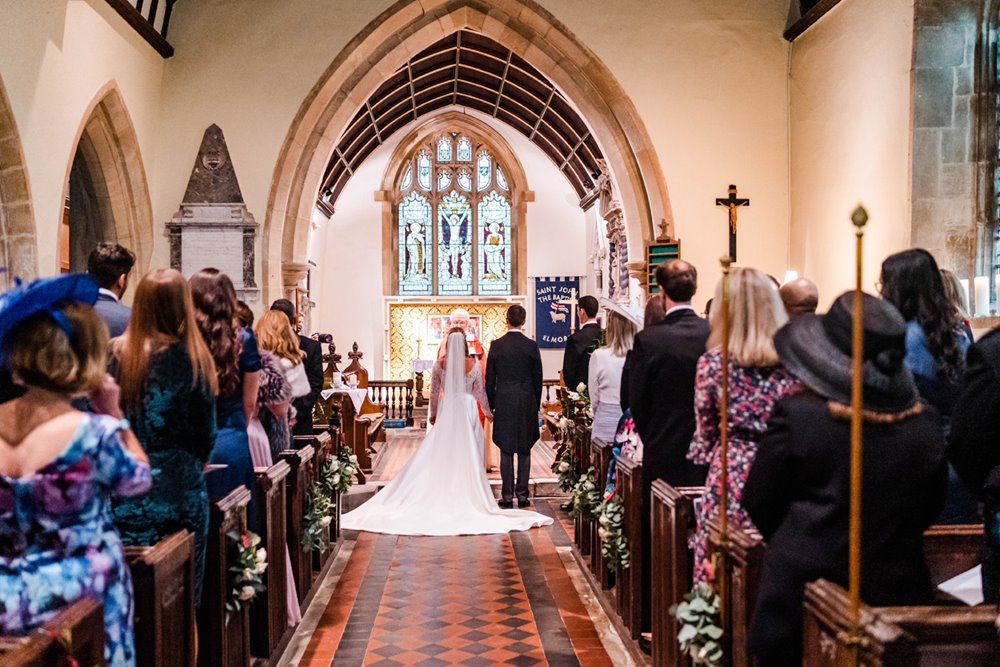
(443, 490)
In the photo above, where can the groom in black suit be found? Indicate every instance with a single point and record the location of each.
(514, 390)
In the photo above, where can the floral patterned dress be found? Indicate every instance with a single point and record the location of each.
(753, 393)
(57, 541)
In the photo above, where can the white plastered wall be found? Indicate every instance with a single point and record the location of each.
(55, 56)
(851, 122)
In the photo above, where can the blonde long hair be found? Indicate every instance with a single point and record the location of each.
(620, 334)
(274, 333)
(162, 314)
(755, 314)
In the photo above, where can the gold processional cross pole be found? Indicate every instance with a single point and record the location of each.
(859, 218)
(570, 301)
(732, 202)
(720, 565)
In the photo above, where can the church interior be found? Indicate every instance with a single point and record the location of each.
(393, 166)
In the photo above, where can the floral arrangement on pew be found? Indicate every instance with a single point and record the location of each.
(245, 576)
(586, 497)
(614, 545)
(336, 477)
(574, 404)
(700, 635)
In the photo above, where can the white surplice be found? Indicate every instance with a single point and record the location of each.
(443, 489)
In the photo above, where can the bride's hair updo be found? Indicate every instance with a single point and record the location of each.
(457, 330)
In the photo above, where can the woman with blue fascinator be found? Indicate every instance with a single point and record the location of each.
(59, 467)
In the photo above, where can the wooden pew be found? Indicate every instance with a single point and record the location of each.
(939, 635)
(630, 586)
(323, 446)
(222, 643)
(269, 610)
(163, 577)
(743, 564)
(952, 550)
(582, 528)
(601, 455)
(82, 622)
(672, 521)
(297, 486)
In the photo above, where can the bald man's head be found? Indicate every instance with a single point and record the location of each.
(800, 297)
(677, 279)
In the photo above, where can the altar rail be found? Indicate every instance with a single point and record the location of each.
(395, 399)
(150, 19)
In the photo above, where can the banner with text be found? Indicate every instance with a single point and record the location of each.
(555, 299)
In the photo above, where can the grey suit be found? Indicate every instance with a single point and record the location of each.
(114, 313)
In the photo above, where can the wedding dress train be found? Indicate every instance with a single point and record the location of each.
(443, 490)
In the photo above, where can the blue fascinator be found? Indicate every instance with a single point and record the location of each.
(45, 295)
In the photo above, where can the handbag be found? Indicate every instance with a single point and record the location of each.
(295, 374)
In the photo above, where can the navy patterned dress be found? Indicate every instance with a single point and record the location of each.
(58, 543)
(175, 422)
(753, 392)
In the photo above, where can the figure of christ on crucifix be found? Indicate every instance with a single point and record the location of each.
(732, 203)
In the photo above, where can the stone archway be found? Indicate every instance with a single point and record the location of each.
(106, 183)
(387, 42)
(18, 246)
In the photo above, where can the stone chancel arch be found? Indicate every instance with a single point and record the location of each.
(18, 246)
(405, 29)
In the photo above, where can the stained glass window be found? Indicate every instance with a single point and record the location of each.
(454, 245)
(464, 150)
(483, 171)
(444, 179)
(455, 234)
(493, 230)
(415, 277)
(424, 170)
(444, 149)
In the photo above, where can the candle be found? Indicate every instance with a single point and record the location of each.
(790, 275)
(982, 287)
(965, 292)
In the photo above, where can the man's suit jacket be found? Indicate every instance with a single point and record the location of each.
(661, 396)
(576, 358)
(797, 493)
(514, 390)
(114, 313)
(314, 371)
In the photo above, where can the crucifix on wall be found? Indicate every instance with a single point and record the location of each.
(732, 202)
(570, 302)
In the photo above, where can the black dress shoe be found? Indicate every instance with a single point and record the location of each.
(524, 503)
(505, 504)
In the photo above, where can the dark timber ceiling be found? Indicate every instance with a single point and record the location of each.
(470, 70)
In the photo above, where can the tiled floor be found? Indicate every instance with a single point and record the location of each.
(473, 600)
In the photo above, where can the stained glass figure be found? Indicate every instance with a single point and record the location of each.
(493, 230)
(483, 171)
(444, 149)
(424, 170)
(465, 179)
(407, 179)
(415, 277)
(501, 178)
(464, 150)
(454, 245)
(444, 179)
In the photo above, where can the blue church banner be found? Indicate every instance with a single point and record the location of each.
(552, 316)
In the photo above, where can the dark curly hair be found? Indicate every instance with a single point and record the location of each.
(912, 282)
(215, 311)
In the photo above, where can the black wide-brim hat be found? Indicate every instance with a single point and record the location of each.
(817, 350)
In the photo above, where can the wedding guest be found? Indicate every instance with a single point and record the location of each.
(973, 447)
(800, 297)
(168, 389)
(61, 467)
(955, 294)
(653, 313)
(110, 265)
(756, 381)
(936, 346)
(275, 335)
(580, 345)
(237, 364)
(244, 315)
(798, 489)
(605, 369)
(313, 352)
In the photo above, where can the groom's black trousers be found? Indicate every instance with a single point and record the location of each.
(508, 487)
